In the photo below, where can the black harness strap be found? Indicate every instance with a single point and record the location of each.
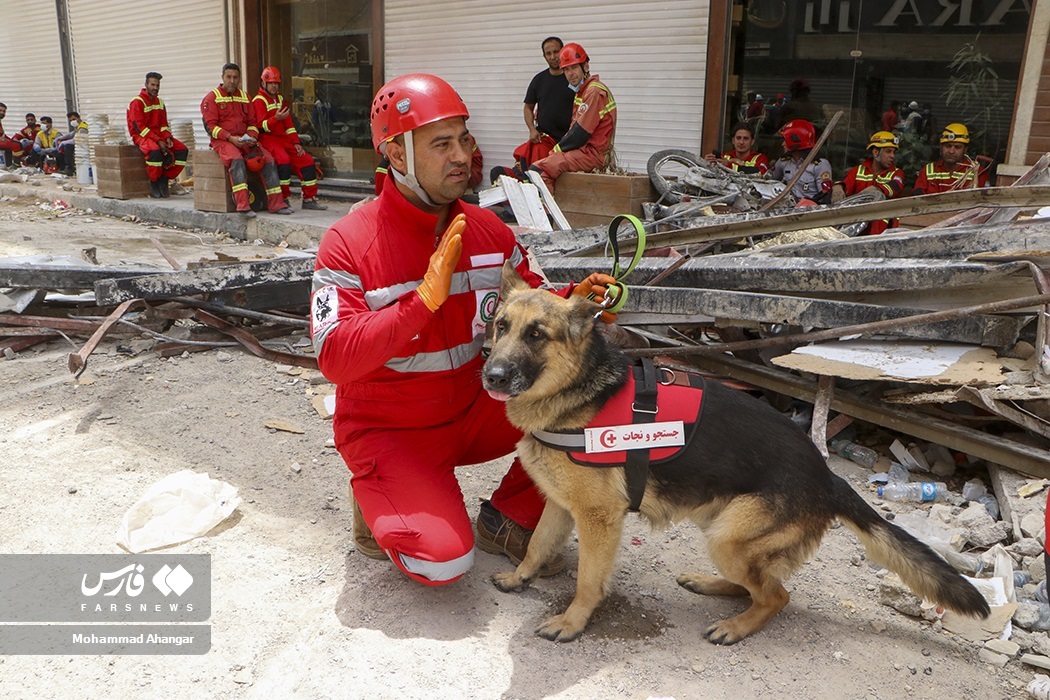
(636, 468)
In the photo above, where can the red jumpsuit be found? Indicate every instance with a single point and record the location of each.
(148, 126)
(754, 162)
(8, 144)
(594, 111)
(224, 115)
(861, 177)
(409, 402)
(279, 137)
(476, 161)
(938, 177)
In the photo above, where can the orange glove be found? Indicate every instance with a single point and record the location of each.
(434, 288)
(596, 284)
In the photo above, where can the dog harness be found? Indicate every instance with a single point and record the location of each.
(651, 420)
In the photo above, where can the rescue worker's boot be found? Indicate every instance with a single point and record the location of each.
(313, 204)
(498, 534)
(363, 540)
(164, 192)
(154, 189)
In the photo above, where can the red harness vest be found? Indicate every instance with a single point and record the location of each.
(635, 404)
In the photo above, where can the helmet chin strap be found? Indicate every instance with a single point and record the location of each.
(410, 180)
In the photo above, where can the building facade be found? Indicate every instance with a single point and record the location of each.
(680, 70)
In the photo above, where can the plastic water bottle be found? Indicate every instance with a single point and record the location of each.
(864, 456)
(920, 491)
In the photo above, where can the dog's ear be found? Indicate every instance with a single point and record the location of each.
(581, 319)
(512, 281)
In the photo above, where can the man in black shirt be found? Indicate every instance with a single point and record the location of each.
(548, 101)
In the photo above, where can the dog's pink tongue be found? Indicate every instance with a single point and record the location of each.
(499, 396)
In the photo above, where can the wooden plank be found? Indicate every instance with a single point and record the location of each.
(1024, 458)
(548, 199)
(207, 279)
(582, 220)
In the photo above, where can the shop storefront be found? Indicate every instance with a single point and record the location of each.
(957, 61)
(326, 51)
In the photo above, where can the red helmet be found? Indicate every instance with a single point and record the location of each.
(270, 74)
(799, 135)
(572, 54)
(412, 101)
(254, 160)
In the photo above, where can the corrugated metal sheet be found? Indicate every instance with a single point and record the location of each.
(31, 69)
(489, 52)
(115, 44)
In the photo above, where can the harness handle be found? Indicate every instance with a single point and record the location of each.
(616, 294)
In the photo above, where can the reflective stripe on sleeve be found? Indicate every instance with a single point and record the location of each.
(340, 278)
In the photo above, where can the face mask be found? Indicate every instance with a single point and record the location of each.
(576, 88)
(46, 127)
(73, 123)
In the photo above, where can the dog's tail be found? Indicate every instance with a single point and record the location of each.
(919, 567)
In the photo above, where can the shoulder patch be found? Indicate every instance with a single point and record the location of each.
(583, 107)
(324, 308)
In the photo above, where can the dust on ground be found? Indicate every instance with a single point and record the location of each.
(297, 613)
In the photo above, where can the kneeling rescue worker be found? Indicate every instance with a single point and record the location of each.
(402, 289)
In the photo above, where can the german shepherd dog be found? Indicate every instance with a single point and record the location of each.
(751, 480)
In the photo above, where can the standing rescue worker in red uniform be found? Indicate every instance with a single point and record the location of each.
(278, 135)
(955, 170)
(742, 158)
(588, 144)
(150, 131)
(403, 288)
(229, 120)
(879, 172)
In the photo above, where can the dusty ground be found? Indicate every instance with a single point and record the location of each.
(296, 613)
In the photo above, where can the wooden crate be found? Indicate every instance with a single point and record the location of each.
(120, 172)
(211, 184)
(591, 199)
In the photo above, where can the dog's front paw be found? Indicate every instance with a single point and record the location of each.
(560, 629)
(723, 632)
(508, 581)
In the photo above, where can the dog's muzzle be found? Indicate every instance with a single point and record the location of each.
(498, 380)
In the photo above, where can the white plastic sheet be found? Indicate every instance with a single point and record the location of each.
(177, 508)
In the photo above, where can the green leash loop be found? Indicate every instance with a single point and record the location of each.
(618, 292)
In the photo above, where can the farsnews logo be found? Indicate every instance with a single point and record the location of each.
(130, 580)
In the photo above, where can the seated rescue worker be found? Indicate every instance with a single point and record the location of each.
(9, 145)
(588, 144)
(44, 145)
(229, 120)
(815, 184)
(402, 290)
(66, 146)
(742, 158)
(27, 136)
(955, 170)
(148, 125)
(877, 171)
(278, 135)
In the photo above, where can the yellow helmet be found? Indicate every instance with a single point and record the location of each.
(884, 139)
(955, 133)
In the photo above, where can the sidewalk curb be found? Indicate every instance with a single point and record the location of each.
(178, 212)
